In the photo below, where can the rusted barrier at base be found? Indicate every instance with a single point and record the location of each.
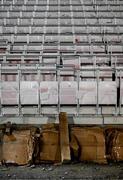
(114, 143)
(50, 143)
(88, 144)
(49, 150)
(16, 146)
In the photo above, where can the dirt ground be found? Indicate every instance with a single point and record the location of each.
(68, 171)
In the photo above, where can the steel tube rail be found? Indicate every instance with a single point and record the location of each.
(63, 68)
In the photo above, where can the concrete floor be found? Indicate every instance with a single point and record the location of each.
(68, 171)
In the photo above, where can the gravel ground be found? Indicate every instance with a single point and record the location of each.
(69, 171)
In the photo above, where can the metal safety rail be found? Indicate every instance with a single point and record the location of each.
(95, 80)
(54, 59)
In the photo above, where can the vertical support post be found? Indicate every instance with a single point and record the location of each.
(97, 79)
(118, 91)
(40, 59)
(22, 59)
(95, 62)
(117, 85)
(120, 101)
(110, 62)
(58, 80)
(19, 93)
(113, 75)
(78, 80)
(39, 97)
(4, 59)
(0, 90)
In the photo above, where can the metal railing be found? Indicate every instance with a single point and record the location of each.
(100, 74)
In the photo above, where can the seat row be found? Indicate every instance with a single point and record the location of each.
(61, 21)
(82, 14)
(80, 48)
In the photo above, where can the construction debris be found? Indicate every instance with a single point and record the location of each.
(17, 147)
(49, 144)
(88, 144)
(114, 138)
